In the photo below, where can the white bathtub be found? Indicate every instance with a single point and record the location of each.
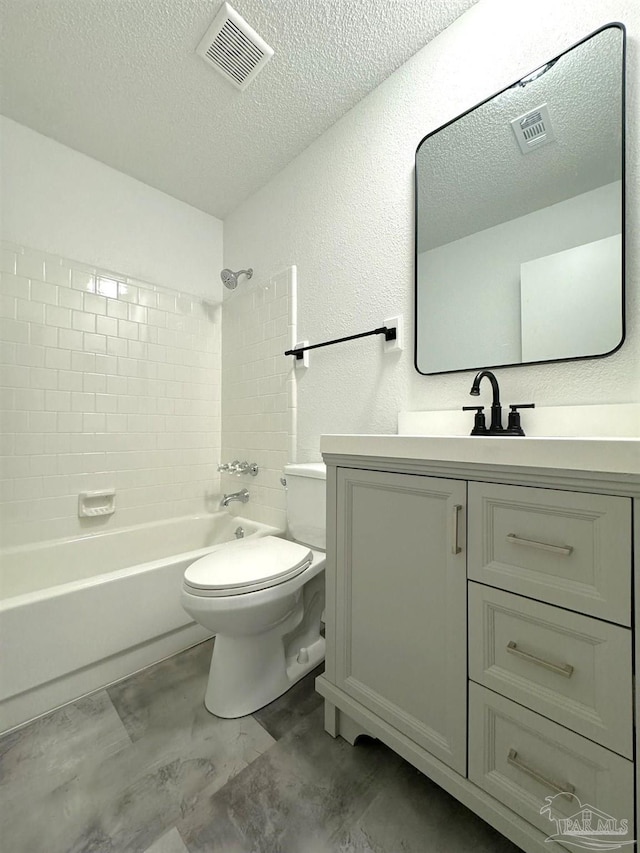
(78, 614)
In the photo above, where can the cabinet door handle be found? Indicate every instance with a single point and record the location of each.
(455, 547)
(564, 669)
(564, 788)
(563, 550)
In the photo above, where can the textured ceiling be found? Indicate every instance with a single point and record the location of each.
(472, 174)
(119, 80)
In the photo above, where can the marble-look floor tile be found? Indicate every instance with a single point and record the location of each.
(281, 716)
(311, 793)
(166, 696)
(412, 814)
(47, 752)
(170, 842)
(295, 797)
(144, 768)
(42, 760)
(124, 799)
(155, 781)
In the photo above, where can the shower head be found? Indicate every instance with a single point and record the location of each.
(230, 278)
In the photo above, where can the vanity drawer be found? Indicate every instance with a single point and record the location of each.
(566, 548)
(574, 669)
(525, 761)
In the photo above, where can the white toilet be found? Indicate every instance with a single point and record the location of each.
(264, 599)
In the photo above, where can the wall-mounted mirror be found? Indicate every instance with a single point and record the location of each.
(520, 219)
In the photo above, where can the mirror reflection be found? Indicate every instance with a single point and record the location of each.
(519, 219)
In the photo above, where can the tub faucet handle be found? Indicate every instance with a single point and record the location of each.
(246, 468)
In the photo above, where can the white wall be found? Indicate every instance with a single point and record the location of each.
(343, 213)
(571, 301)
(57, 200)
(470, 288)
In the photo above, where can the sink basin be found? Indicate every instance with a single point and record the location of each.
(612, 454)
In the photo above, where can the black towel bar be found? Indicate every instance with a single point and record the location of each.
(389, 335)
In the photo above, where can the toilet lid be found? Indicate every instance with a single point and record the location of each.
(254, 564)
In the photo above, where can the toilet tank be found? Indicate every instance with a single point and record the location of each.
(306, 502)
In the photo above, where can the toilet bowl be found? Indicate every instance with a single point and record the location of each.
(263, 599)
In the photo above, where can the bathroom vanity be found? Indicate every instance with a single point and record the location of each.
(480, 621)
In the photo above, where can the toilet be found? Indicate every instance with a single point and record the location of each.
(263, 598)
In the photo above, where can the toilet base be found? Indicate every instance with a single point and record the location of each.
(266, 640)
(245, 675)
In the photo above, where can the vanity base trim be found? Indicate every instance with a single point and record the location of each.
(338, 724)
(346, 717)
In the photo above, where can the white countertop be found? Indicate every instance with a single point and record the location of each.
(613, 455)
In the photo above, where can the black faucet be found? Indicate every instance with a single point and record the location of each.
(495, 427)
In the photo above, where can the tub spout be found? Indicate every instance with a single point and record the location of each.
(242, 496)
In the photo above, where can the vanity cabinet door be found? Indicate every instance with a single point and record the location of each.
(401, 599)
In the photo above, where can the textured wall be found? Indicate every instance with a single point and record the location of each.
(343, 213)
(65, 203)
(105, 382)
(258, 392)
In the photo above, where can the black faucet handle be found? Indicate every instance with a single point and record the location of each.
(479, 422)
(513, 425)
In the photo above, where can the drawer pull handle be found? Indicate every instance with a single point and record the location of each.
(561, 668)
(455, 548)
(563, 550)
(564, 788)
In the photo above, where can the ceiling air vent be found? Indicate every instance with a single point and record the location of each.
(533, 129)
(233, 48)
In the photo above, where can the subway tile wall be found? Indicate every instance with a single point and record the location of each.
(259, 391)
(106, 382)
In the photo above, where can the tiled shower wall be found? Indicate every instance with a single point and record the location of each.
(259, 391)
(106, 382)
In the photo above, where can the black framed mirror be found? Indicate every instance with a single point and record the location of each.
(520, 219)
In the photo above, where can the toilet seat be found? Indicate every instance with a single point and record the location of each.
(254, 565)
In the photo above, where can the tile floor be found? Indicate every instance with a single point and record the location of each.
(142, 767)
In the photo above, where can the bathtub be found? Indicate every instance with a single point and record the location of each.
(77, 614)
